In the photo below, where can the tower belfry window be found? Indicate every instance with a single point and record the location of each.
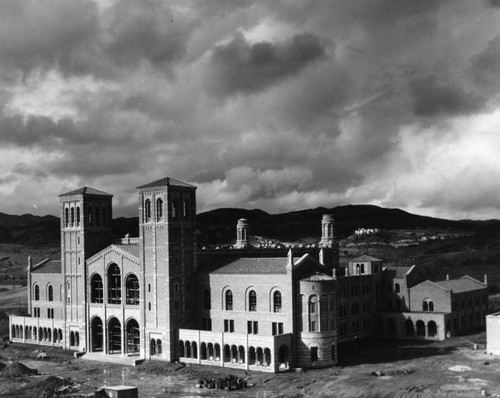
(66, 217)
(159, 209)
(89, 216)
(77, 216)
(72, 216)
(147, 210)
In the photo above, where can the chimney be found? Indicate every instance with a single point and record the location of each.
(242, 239)
(290, 262)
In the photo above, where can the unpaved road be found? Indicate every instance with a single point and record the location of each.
(410, 369)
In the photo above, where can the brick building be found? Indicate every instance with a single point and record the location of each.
(156, 297)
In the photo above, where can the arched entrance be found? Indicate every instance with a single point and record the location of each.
(283, 357)
(133, 337)
(96, 334)
(114, 336)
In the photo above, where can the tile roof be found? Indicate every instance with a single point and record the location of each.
(50, 267)
(165, 182)
(87, 191)
(317, 277)
(260, 265)
(463, 284)
(397, 272)
(365, 257)
(130, 249)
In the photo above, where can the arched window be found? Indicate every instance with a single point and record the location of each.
(186, 209)
(50, 293)
(96, 289)
(357, 269)
(252, 301)
(313, 313)
(425, 306)
(229, 300)
(132, 290)
(77, 216)
(432, 329)
(159, 209)
(397, 288)
(431, 306)
(277, 301)
(114, 285)
(206, 299)
(89, 215)
(147, 210)
(66, 217)
(362, 268)
(72, 216)
(37, 293)
(428, 305)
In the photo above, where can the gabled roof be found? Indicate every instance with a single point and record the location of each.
(130, 249)
(464, 284)
(165, 182)
(85, 191)
(364, 257)
(318, 277)
(262, 265)
(49, 267)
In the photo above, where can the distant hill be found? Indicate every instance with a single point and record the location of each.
(219, 226)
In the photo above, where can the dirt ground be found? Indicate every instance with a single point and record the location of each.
(372, 369)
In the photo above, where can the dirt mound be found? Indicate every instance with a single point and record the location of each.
(17, 369)
(55, 385)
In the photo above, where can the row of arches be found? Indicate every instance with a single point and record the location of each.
(40, 334)
(97, 216)
(176, 211)
(411, 329)
(49, 292)
(256, 356)
(251, 300)
(114, 287)
(131, 336)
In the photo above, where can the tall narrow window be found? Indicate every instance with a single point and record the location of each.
(114, 285)
(37, 293)
(132, 290)
(147, 210)
(277, 301)
(397, 288)
(66, 217)
(252, 301)
(229, 300)
(159, 209)
(96, 289)
(72, 216)
(89, 215)
(77, 216)
(50, 293)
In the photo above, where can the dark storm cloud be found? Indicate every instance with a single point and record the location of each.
(146, 30)
(432, 97)
(494, 3)
(486, 64)
(41, 35)
(241, 67)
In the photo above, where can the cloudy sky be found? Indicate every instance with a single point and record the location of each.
(278, 105)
